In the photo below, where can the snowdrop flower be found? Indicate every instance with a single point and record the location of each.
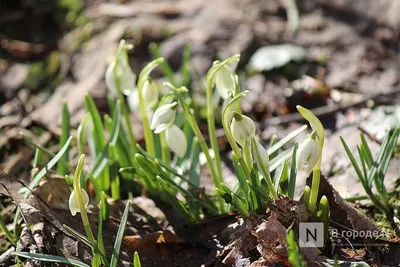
(176, 140)
(225, 81)
(243, 128)
(263, 153)
(123, 74)
(307, 154)
(149, 93)
(163, 117)
(74, 203)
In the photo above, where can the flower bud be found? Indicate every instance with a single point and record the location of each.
(133, 101)
(225, 81)
(74, 203)
(150, 93)
(263, 153)
(243, 128)
(163, 118)
(307, 154)
(120, 71)
(176, 140)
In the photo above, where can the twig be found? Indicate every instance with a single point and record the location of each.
(327, 110)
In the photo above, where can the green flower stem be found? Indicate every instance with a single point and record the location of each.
(210, 110)
(226, 119)
(211, 126)
(7, 233)
(317, 126)
(124, 106)
(82, 208)
(143, 77)
(312, 204)
(126, 114)
(264, 170)
(165, 152)
(247, 154)
(195, 127)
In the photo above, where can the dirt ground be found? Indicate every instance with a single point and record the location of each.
(348, 74)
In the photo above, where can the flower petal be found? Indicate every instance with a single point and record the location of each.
(225, 81)
(74, 203)
(163, 117)
(176, 140)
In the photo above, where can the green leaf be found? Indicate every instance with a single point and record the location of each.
(62, 169)
(240, 205)
(50, 258)
(79, 236)
(293, 173)
(102, 159)
(355, 165)
(366, 151)
(295, 257)
(136, 260)
(278, 145)
(49, 165)
(194, 171)
(114, 174)
(120, 235)
(240, 177)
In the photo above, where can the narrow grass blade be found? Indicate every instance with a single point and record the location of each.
(136, 260)
(355, 165)
(120, 235)
(45, 151)
(280, 159)
(50, 258)
(38, 159)
(286, 139)
(114, 174)
(98, 137)
(367, 151)
(79, 236)
(62, 169)
(293, 173)
(102, 159)
(194, 171)
(49, 165)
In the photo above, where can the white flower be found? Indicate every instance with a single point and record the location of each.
(85, 129)
(74, 203)
(150, 93)
(263, 153)
(133, 101)
(163, 117)
(225, 81)
(307, 154)
(243, 128)
(123, 74)
(176, 140)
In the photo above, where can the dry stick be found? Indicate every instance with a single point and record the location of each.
(326, 110)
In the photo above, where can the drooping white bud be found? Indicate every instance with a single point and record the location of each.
(122, 74)
(163, 117)
(85, 130)
(243, 128)
(74, 203)
(225, 81)
(133, 101)
(176, 140)
(307, 154)
(263, 153)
